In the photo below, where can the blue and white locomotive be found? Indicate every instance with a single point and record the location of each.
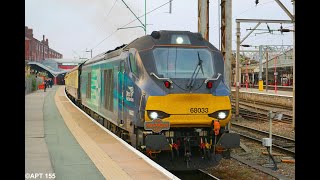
(164, 94)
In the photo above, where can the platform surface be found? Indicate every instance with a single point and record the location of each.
(50, 147)
(64, 143)
(270, 91)
(111, 157)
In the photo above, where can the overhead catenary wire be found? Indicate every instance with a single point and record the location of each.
(270, 31)
(112, 7)
(114, 3)
(254, 6)
(108, 12)
(146, 13)
(269, 40)
(263, 36)
(105, 38)
(130, 23)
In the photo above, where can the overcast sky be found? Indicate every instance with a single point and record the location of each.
(72, 26)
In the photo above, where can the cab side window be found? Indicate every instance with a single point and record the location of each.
(133, 64)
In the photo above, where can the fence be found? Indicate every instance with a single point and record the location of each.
(31, 83)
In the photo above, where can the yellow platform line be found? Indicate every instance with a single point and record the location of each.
(108, 168)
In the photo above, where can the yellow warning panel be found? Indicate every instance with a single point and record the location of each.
(260, 85)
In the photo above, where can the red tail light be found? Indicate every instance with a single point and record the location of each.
(209, 85)
(167, 84)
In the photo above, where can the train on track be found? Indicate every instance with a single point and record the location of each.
(164, 94)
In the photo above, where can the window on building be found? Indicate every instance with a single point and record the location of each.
(88, 95)
(108, 89)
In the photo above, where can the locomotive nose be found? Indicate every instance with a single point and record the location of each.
(189, 109)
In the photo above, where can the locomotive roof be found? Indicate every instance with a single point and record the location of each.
(162, 37)
(106, 55)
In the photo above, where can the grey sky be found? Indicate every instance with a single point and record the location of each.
(72, 26)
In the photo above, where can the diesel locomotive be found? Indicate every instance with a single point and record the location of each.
(164, 94)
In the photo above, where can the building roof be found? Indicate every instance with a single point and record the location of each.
(54, 72)
(67, 60)
(283, 60)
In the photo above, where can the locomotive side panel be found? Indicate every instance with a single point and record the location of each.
(88, 88)
(97, 89)
(109, 94)
(108, 88)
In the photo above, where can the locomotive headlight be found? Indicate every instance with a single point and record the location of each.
(222, 115)
(179, 40)
(153, 115)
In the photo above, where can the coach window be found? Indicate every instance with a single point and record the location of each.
(133, 64)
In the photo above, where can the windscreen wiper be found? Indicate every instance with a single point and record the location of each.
(195, 74)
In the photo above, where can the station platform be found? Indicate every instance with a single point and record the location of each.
(64, 142)
(270, 91)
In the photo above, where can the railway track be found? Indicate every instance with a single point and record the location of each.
(260, 110)
(283, 144)
(250, 114)
(262, 105)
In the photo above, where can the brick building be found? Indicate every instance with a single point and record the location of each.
(36, 50)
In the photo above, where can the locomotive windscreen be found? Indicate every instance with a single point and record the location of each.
(179, 62)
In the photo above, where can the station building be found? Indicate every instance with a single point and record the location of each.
(36, 50)
(42, 61)
(55, 69)
(279, 69)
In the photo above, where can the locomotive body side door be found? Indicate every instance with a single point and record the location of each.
(121, 95)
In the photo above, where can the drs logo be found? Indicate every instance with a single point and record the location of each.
(198, 110)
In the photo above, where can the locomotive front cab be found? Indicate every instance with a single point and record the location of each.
(192, 78)
(187, 104)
